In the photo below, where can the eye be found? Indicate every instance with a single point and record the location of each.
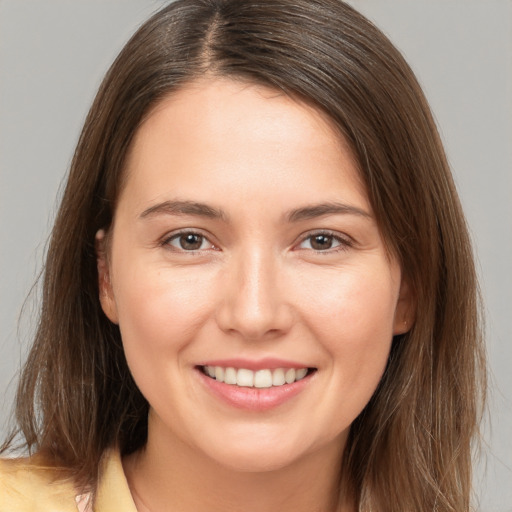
(188, 241)
(324, 241)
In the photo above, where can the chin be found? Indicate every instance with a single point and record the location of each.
(259, 453)
(258, 462)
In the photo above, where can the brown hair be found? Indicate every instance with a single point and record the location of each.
(76, 397)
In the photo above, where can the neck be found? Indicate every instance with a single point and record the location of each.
(168, 474)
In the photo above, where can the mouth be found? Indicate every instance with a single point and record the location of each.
(260, 379)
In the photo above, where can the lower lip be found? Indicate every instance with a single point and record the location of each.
(254, 399)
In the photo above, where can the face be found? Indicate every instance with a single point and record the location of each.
(254, 294)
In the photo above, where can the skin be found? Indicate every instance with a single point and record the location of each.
(257, 287)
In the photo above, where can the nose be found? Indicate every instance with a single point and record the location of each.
(253, 303)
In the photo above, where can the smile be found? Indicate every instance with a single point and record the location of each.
(264, 378)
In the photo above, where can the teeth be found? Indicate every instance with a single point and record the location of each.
(300, 373)
(278, 377)
(258, 379)
(263, 379)
(289, 376)
(244, 378)
(229, 376)
(219, 373)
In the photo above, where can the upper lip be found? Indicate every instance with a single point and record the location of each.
(269, 363)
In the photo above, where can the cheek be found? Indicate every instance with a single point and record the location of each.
(353, 320)
(353, 302)
(160, 311)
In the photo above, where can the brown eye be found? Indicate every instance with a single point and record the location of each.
(189, 242)
(324, 242)
(321, 242)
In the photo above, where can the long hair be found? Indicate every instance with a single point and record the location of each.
(410, 448)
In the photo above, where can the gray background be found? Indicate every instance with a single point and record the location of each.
(54, 53)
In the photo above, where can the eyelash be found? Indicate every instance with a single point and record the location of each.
(166, 242)
(344, 242)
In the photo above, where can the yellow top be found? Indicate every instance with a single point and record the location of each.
(28, 486)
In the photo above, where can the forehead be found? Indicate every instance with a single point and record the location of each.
(215, 134)
(216, 105)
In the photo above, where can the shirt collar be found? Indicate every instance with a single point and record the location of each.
(113, 492)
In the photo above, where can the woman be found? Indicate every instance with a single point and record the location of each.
(259, 293)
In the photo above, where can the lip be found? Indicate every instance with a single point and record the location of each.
(270, 363)
(253, 399)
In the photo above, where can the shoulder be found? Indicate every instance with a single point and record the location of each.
(28, 485)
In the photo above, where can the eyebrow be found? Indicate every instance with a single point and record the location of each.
(184, 208)
(296, 215)
(319, 210)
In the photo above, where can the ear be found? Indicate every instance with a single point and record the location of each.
(405, 312)
(107, 301)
